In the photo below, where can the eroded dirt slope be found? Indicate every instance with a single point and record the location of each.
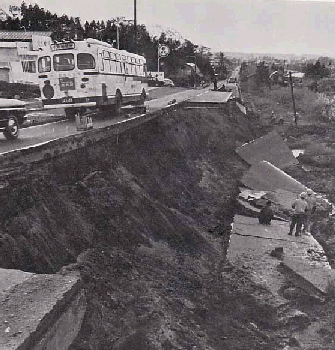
(132, 215)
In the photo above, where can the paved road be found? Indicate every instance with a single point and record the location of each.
(44, 133)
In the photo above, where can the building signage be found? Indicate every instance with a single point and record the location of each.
(40, 41)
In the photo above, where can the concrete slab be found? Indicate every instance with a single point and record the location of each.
(41, 312)
(314, 277)
(271, 148)
(241, 107)
(212, 97)
(252, 243)
(246, 193)
(265, 176)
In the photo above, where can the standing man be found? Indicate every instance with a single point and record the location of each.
(311, 206)
(298, 217)
(215, 84)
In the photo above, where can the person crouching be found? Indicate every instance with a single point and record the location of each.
(266, 214)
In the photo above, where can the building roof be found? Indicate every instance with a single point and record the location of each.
(195, 68)
(19, 35)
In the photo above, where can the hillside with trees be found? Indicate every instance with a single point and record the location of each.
(35, 18)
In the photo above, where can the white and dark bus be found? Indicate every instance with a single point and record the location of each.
(76, 75)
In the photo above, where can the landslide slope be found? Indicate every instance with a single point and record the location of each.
(132, 215)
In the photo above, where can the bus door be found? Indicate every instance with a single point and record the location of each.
(88, 75)
(101, 84)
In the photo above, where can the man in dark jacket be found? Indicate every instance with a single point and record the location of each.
(266, 214)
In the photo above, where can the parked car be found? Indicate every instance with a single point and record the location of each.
(232, 80)
(12, 116)
(168, 82)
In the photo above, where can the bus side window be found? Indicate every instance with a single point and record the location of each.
(85, 61)
(102, 67)
(113, 66)
(140, 70)
(106, 58)
(108, 65)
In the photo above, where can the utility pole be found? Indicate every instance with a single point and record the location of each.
(135, 25)
(293, 102)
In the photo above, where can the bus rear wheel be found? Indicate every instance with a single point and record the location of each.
(12, 129)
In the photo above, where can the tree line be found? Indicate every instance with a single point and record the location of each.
(35, 18)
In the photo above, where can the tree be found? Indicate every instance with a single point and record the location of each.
(262, 74)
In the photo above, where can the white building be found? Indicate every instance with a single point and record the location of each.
(18, 54)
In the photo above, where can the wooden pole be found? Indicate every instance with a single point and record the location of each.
(158, 57)
(135, 25)
(293, 102)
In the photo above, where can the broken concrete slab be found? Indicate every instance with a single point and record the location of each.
(315, 278)
(248, 194)
(241, 107)
(271, 148)
(283, 198)
(251, 245)
(41, 312)
(265, 176)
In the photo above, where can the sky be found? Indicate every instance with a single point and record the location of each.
(260, 26)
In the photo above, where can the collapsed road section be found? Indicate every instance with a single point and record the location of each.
(102, 202)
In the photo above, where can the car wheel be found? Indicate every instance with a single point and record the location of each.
(13, 129)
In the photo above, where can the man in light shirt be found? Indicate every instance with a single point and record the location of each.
(299, 206)
(311, 206)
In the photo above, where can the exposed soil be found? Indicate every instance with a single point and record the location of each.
(133, 215)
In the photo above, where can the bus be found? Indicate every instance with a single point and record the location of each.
(80, 75)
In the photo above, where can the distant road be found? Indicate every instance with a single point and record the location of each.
(43, 133)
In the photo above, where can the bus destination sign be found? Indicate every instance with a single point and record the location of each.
(63, 46)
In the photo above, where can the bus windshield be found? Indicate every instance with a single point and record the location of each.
(63, 62)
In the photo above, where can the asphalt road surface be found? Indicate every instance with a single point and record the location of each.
(43, 133)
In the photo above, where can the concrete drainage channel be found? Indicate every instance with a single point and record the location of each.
(39, 311)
